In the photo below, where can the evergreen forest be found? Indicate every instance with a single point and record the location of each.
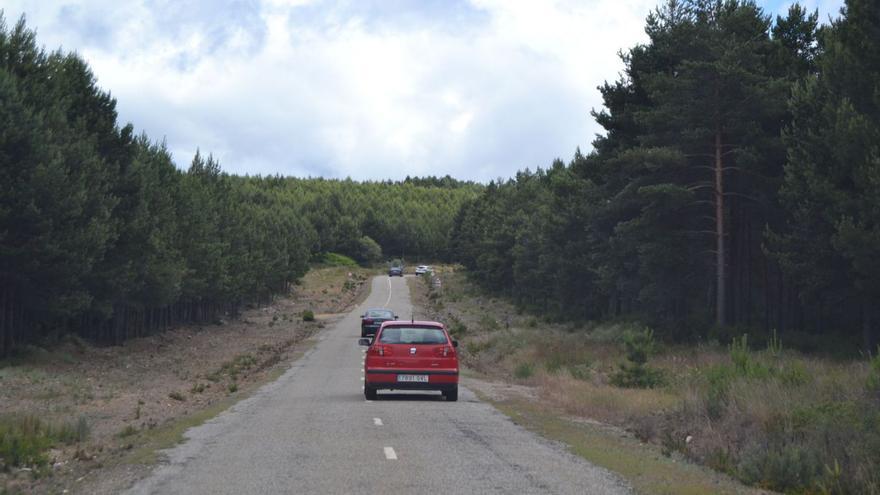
(102, 235)
(736, 186)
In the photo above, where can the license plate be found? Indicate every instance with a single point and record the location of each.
(412, 378)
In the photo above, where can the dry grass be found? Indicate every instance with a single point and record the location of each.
(773, 418)
(148, 385)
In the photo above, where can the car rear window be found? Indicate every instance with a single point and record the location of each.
(378, 313)
(412, 335)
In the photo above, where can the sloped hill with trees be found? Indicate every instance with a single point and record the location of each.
(735, 186)
(102, 235)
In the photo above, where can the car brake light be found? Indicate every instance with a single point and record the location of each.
(368, 321)
(444, 351)
(381, 350)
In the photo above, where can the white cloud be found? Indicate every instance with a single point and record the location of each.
(474, 89)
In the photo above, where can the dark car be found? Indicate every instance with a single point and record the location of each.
(411, 355)
(395, 271)
(372, 319)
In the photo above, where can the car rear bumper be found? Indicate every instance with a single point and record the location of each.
(386, 379)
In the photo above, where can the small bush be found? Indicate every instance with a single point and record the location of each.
(336, 259)
(177, 396)
(232, 387)
(308, 315)
(580, 371)
(477, 347)
(523, 371)
(784, 469)
(24, 439)
(635, 373)
(457, 327)
(128, 431)
(488, 323)
(73, 432)
(198, 388)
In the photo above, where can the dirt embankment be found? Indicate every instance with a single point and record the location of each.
(139, 397)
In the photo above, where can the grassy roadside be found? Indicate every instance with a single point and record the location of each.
(137, 399)
(643, 465)
(768, 416)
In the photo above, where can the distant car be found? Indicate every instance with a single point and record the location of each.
(372, 319)
(411, 355)
(395, 271)
(422, 269)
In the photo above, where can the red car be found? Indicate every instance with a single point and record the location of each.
(411, 355)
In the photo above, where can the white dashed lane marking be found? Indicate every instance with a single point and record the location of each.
(377, 421)
(390, 454)
(389, 294)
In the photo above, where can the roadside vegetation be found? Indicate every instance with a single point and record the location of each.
(734, 190)
(69, 408)
(105, 237)
(769, 416)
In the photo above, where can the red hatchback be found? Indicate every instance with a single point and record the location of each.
(411, 355)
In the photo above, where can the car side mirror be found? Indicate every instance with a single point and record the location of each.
(454, 343)
(396, 317)
(366, 341)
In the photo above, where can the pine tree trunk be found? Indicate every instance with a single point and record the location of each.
(720, 292)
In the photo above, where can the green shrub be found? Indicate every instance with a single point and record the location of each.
(580, 371)
(523, 371)
(794, 374)
(457, 327)
(477, 347)
(72, 432)
(232, 387)
(198, 388)
(787, 468)
(554, 363)
(745, 363)
(488, 323)
(177, 396)
(308, 315)
(336, 259)
(24, 439)
(635, 373)
(128, 431)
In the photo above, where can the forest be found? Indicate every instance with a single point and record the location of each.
(735, 189)
(104, 236)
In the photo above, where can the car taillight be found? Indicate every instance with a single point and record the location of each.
(380, 350)
(368, 321)
(445, 351)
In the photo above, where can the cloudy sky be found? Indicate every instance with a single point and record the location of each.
(368, 89)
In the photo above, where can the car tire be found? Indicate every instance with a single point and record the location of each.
(451, 395)
(370, 393)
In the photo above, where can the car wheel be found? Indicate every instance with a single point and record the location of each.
(451, 395)
(370, 393)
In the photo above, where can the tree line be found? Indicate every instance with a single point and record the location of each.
(101, 234)
(736, 184)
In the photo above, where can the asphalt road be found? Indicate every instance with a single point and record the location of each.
(312, 431)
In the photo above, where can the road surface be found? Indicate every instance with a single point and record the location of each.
(312, 431)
